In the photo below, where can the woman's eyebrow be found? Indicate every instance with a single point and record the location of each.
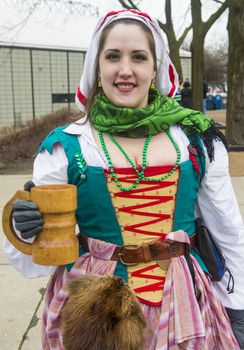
(133, 51)
(141, 51)
(113, 50)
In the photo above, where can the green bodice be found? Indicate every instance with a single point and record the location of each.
(95, 213)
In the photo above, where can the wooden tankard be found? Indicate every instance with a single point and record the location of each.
(57, 243)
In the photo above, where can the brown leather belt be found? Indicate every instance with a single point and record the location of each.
(155, 250)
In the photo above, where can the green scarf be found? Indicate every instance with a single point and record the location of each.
(161, 113)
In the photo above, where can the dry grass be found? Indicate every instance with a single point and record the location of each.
(6, 131)
(21, 143)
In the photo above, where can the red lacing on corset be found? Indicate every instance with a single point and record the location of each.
(127, 175)
(150, 170)
(150, 287)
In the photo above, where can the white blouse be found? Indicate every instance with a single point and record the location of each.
(216, 204)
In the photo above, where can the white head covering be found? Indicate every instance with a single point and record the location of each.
(166, 78)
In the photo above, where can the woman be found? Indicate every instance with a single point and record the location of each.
(138, 161)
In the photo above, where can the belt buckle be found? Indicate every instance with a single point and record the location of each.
(120, 254)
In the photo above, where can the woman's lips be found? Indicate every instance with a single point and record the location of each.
(125, 87)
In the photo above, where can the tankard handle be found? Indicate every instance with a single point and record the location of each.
(7, 223)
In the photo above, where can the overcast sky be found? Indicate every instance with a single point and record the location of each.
(61, 28)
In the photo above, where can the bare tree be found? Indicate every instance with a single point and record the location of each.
(80, 7)
(29, 7)
(215, 66)
(235, 102)
(200, 29)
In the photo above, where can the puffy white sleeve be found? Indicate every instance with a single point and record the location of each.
(218, 207)
(48, 169)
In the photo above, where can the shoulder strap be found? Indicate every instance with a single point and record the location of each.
(71, 147)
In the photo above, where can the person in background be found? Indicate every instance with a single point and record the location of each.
(177, 96)
(144, 168)
(186, 94)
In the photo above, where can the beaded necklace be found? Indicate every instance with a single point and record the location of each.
(140, 174)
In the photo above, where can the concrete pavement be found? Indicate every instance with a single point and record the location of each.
(21, 299)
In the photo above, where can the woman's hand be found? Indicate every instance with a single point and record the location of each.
(28, 219)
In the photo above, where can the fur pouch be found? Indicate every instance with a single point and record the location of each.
(101, 313)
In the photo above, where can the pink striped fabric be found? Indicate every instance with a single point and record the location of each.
(185, 323)
(96, 263)
(180, 323)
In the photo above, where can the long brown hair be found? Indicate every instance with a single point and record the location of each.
(129, 21)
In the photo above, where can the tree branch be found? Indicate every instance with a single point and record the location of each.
(133, 5)
(218, 1)
(168, 13)
(123, 3)
(163, 26)
(20, 25)
(208, 24)
(129, 7)
(183, 36)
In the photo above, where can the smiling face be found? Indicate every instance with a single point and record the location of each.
(126, 66)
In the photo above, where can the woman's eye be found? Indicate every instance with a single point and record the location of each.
(112, 57)
(139, 57)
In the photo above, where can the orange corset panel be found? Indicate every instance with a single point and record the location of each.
(145, 214)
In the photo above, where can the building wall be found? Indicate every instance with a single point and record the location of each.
(186, 68)
(42, 82)
(76, 61)
(35, 82)
(21, 88)
(6, 93)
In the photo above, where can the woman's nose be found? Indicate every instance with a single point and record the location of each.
(125, 68)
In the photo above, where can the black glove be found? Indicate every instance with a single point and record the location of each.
(27, 217)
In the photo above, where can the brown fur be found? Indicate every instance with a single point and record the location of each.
(101, 313)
